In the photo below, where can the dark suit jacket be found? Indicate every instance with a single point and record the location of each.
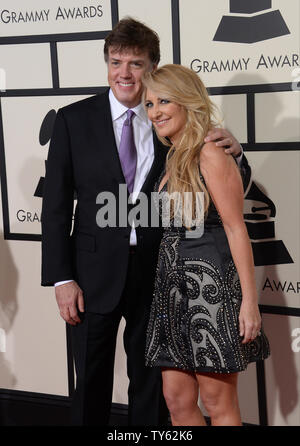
(83, 158)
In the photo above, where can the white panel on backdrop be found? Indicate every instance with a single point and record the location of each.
(27, 132)
(53, 17)
(231, 59)
(35, 356)
(277, 176)
(26, 66)
(277, 116)
(121, 381)
(248, 395)
(283, 370)
(234, 113)
(155, 14)
(81, 64)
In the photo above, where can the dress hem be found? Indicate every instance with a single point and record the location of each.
(205, 369)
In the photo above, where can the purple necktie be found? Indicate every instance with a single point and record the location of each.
(127, 151)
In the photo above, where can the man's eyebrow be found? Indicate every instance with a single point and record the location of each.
(133, 60)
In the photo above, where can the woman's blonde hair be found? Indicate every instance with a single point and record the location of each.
(183, 86)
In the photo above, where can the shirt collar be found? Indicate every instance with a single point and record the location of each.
(118, 109)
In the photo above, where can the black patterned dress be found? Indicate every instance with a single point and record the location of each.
(194, 315)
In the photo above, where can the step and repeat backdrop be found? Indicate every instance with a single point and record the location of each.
(247, 54)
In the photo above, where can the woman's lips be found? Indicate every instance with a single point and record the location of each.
(161, 122)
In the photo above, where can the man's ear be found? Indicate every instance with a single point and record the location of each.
(154, 67)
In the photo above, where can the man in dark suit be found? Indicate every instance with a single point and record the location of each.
(103, 273)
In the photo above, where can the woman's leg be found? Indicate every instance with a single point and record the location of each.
(218, 392)
(181, 394)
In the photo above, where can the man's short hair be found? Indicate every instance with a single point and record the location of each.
(131, 34)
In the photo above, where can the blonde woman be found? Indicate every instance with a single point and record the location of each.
(205, 325)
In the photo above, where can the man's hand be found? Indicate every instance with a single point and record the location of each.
(69, 299)
(223, 138)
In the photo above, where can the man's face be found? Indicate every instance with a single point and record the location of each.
(125, 71)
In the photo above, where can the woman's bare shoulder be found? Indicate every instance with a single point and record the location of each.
(210, 153)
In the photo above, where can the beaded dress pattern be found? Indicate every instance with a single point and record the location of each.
(193, 321)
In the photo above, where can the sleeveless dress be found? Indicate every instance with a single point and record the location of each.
(193, 321)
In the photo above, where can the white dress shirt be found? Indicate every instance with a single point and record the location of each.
(143, 138)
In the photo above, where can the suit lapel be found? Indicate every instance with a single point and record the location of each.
(105, 137)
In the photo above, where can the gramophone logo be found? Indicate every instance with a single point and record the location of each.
(44, 137)
(251, 25)
(259, 215)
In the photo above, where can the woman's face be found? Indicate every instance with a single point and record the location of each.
(168, 117)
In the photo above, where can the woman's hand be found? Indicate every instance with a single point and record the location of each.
(223, 138)
(250, 321)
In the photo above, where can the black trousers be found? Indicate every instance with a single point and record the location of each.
(94, 343)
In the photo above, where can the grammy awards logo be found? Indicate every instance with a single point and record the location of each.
(259, 214)
(251, 25)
